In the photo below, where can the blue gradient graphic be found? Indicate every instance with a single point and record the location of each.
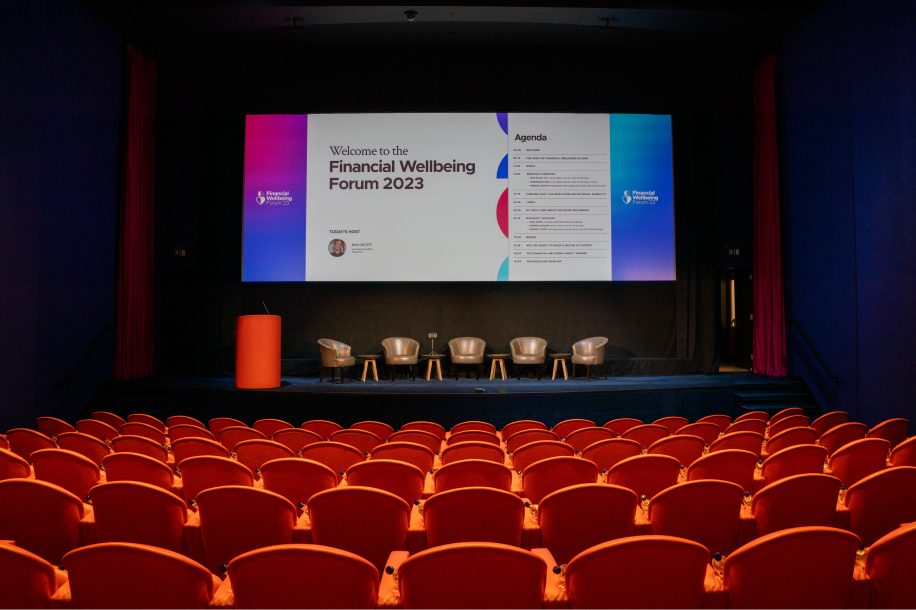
(642, 233)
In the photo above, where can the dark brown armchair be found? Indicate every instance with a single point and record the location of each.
(401, 351)
(528, 351)
(335, 355)
(589, 352)
(466, 351)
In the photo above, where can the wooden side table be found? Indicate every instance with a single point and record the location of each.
(561, 360)
(501, 359)
(367, 360)
(433, 358)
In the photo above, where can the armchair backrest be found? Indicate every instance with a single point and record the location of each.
(23, 442)
(904, 454)
(788, 423)
(880, 502)
(269, 427)
(400, 346)
(12, 466)
(891, 563)
(539, 450)
(568, 426)
(331, 350)
(84, 444)
(798, 459)
(473, 450)
(859, 459)
(892, 430)
(402, 479)
(185, 448)
(591, 346)
(206, 471)
(473, 473)
(802, 500)
(321, 427)
(528, 346)
(126, 511)
(746, 441)
(547, 476)
(28, 580)
(138, 468)
(706, 511)
(646, 475)
(180, 431)
(296, 479)
(139, 428)
(41, 517)
(791, 438)
(606, 454)
(523, 424)
(466, 345)
(474, 514)
(421, 437)
(140, 444)
(409, 453)
(733, 465)
(67, 469)
(336, 456)
(525, 437)
(684, 448)
(829, 420)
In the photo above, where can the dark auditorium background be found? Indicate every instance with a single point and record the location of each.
(846, 97)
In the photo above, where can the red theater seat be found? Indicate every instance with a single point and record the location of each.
(707, 512)
(781, 415)
(218, 423)
(51, 426)
(230, 436)
(646, 434)
(522, 424)
(646, 475)
(12, 466)
(732, 465)
(362, 440)
(841, 435)
(685, 449)
(707, 431)
(400, 478)
(204, 472)
(481, 426)
(180, 431)
(828, 421)
(23, 442)
(638, 572)
(115, 421)
(673, 423)
(802, 500)
(579, 517)
(747, 425)
(790, 438)
(297, 480)
(858, 459)
(746, 441)
(4, 443)
(426, 426)
(904, 454)
(473, 450)
(473, 473)
(381, 430)
(185, 448)
(149, 420)
(583, 437)
(606, 454)
(891, 563)
(474, 514)
(256, 452)
(269, 427)
(473, 575)
(547, 476)
(141, 445)
(28, 580)
(126, 511)
(525, 437)
(622, 424)
(66, 469)
(788, 423)
(539, 450)
(138, 468)
(411, 453)
(761, 415)
(336, 456)
(881, 502)
(98, 429)
(567, 427)
(427, 439)
(136, 428)
(321, 427)
(296, 438)
(721, 421)
(805, 567)
(473, 436)
(183, 420)
(893, 430)
(40, 517)
(86, 445)
(800, 459)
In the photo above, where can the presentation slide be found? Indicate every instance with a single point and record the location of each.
(458, 197)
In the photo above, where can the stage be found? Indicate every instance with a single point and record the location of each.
(451, 401)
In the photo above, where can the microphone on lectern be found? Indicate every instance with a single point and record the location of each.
(265, 308)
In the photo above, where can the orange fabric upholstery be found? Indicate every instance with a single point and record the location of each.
(891, 563)
(524, 437)
(474, 514)
(268, 427)
(583, 437)
(800, 459)
(296, 438)
(297, 480)
(98, 429)
(303, 576)
(828, 421)
(622, 424)
(141, 445)
(254, 453)
(473, 450)
(893, 431)
(236, 519)
(206, 471)
(4, 443)
(421, 437)
(703, 511)
(84, 444)
(707, 431)
(411, 453)
(40, 517)
(473, 425)
(744, 440)
(522, 424)
(23, 442)
(145, 430)
(721, 421)
(28, 580)
(802, 500)
(812, 566)
(126, 511)
(567, 427)
(685, 449)
(321, 427)
(539, 450)
(673, 423)
(606, 454)
(115, 421)
(183, 420)
(148, 420)
(790, 438)
(13, 467)
(368, 522)
(66, 469)
(426, 426)
(381, 430)
(123, 575)
(218, 423)
(362, 440)
(880, 502)
(473, 473)
(747, 425)
(732, 465)
(787, 423)
(138, 468)
(503, 577)
(547, 476)
(397, 477)
(904, 454)
(646, 434)
(180, 431)
(51, 426)
(195, 447)
(761, 415)
(638, 572)
(230, 436)
(646, 475)
(855, 461)
(842, 434)
(785, 413)
(477, 436)
(579, 517)
(336, 456)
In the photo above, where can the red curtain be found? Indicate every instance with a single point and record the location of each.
(769, 311)
(134, 278)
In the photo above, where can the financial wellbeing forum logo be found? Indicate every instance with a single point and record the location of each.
(273, 198)
(640, 197)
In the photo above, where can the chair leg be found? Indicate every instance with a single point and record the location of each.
(321, 374)
(391, 372)
(413, 371)
(573, 370)
(518, 372)
(479, 367)
(602, 371)
(340, 369)
(588, 372)
(333, 370)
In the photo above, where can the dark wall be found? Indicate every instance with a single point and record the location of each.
(850, 169)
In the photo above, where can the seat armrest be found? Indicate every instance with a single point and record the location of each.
(223, 597)
(62, 598)
(416, 531)
(302, 531)
(555, 586)
(193, 539)
(389, 593)
(429, 486)
(714, 593)
(860, 593)
(86, 526)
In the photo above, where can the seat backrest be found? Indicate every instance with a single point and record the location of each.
(67, 469)
(397, 477)
(23, 442)
(180, 431)
(183, 420)
(149, 420)
(473, 425)
(638, 572)
(254, 453)
(732, 465)
(673, 423)
(98, 429)
(368, 522)
(466, 345)
(722, 421)
(504, 577)
(829, 420)
(90, 446)
(529, 346)
(646, 434)
(761, 415)
(685, 449)
(812, 566)
(140, 444)
(138, 468)
(4, 443)
(605, 454)
(336, 456)
(785, 413)
(546, 476)
(904, 454)
(411, 453)
(427, 439)
(592, 346)
(858, 459)
(707, 512)
(125, 575)
(622, 424)
(787, 423)
(707, 431)
(473, 435)
(892, 430)
(791, 438)
(891, 563)
(28, 580)
(127, 511)
(473, 450)
(115, 421)
(362, 440)
(579, 517)
(206, 471)
(747, 425)
(268, 427)
(331, 350)
(524, 437)
(802, 500)
(842, 434)
(303, 576)
(297, 480)
(646, 475)
(41, 517)
(583, 437)
(321, 427)
(296, 438)
(568, 426)
(381, 430)
(474, 514)
(473, 473)
(523, 424)
(51, 426)
(237, 519)
(186, 448)
(400, 346)
(880, 502)
(230, 436)
(799, 459)
(539, 450)
(12, 466)
(426, 426)
(218, 423)
(136, 428)
(746, 441)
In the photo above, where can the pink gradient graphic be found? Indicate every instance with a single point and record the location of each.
(502, 212)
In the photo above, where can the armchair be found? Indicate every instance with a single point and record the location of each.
(466, 351)
(528, 351)
(401, 351)
(335, 355)
(589, 352)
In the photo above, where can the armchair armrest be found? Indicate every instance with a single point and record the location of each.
(389, 593)
(555, 588)
(193, 539)
(88, 534)
(302, 531)
(223, 596)
(62, 598)
(416, 531)
(714, 593)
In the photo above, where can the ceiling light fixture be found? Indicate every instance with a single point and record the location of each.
(411, 15)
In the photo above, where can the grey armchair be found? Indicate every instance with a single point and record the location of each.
(466, 351)
(335, 355)
(589, 352)
(401, 351)
(528, 351)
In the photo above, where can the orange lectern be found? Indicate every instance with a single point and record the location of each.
(257, 352)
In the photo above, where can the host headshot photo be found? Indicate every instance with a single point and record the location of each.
(337, 247)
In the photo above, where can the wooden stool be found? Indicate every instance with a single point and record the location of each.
(559, 359)
(501, 359)
(367, 360)
(434, 358)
